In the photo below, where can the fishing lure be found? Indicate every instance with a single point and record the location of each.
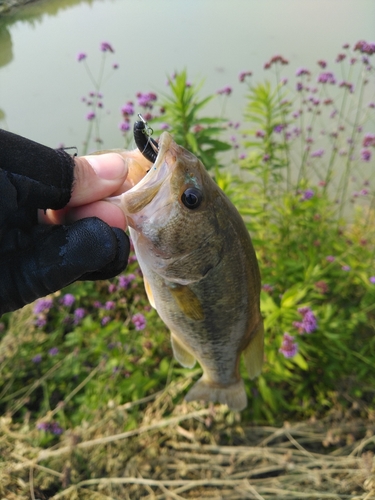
(145, 143)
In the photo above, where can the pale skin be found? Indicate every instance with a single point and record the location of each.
(96, 177)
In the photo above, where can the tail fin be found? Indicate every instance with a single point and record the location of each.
(233, 395)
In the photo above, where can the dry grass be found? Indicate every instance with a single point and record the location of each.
(186, 452)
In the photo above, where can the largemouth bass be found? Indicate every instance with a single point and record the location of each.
(200, 271)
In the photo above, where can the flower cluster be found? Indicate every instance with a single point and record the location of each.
(127, 112)
(308, 323)
(365, 47)
(52, 427)
(243, 75)
(225, 91)
(146, 99)
(288, 347)
(302, 71)
(139, 321)
(41, 309)
(327, 77)
(275, 60)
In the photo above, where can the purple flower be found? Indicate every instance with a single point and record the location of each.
(366, 155)
(124, 281)
(53, 351)
(288, 347)
(368, 140)
(340, 57)
(308, 323)
(124, 126)
(139, 321)
(40, 321)
(146, 99)
(260, 133)
(52, 427)
(364, 47)
(347, 85)
(327, 77)
(90, 116)
(372, 279)
(317, 154)
(43, 306)
(278, 128)
(346, 268)
(112, 288)
(302, 71)
(128, 108)
(164, 126)
(322, 64)
(242, 76)
(105, 320)
(81, 56)
(109, 305)
(115, 65)
(79, 314)
(68, 300)
(38, 357)
(106, 47)
(330, 258)
(225, 91)
(299, 87)
(267, 288)
(307, 195)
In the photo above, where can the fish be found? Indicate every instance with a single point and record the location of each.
(200, 271)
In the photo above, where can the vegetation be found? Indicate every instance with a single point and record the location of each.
(94, 361)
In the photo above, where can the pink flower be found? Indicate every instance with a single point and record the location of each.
(242, 76)
(81, 56)
(225, 91)
(366, 155)
(288, 347)
(139, 321)
(106, 47)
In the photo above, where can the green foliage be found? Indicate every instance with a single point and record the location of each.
(181, 112)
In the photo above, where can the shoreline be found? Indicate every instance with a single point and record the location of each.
(9, 6)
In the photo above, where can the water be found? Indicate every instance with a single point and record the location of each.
(41, 83)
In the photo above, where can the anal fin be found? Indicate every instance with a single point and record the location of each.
(183, 356)
(254, 353)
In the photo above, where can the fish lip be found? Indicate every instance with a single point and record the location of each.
(160, 169)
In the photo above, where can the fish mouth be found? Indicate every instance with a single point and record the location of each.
(139, 196)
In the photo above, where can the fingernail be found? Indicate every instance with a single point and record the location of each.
(109, 166)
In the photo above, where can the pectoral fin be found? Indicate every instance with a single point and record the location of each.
(183, 356)
(187, 301)
(253, 354)
(149, 293)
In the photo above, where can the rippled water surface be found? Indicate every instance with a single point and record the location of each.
(41, 82)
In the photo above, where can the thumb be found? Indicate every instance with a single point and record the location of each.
(96, 177)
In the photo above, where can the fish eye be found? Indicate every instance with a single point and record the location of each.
(191, 198)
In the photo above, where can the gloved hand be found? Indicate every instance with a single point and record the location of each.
(37, 259)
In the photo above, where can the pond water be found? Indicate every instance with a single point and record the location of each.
(41, 82)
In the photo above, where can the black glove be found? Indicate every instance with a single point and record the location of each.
(37, 259)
